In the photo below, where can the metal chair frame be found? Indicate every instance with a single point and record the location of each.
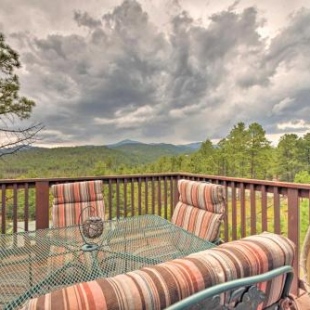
(244, 289)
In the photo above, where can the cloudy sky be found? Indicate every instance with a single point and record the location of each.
(174, 71)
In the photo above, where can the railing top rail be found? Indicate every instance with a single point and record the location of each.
(249, 181)
(86, 178)
(221, 179)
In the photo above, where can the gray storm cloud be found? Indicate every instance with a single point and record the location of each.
(120, 75)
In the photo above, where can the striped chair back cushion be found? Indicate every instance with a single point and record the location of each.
(200, 209)
(202, 195)
(71, 198)
(159, 286)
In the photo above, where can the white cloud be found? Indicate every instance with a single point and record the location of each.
(126, 119)
(293, 125)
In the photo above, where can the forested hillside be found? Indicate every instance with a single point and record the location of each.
(83, 160)
(244, 152)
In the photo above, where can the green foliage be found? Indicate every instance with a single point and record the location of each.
(151, 152)
(10, 102)
(258, 151)
(288, 163)
(245, 152)
(302, 177)
(304, 152)
(233, 149)
(77, 161)
(304, 218)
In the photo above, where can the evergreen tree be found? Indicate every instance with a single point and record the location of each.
(12, 106)
(302, 177)
(244, 153)
(258, 150)
(222, 157)
(205, 158)
(304, 152)
(288, 163)
(233, 150)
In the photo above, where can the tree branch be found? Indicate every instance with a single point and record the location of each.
(18, 138)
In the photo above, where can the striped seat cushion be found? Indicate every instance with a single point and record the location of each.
(157, 287)
(71, 198)
(203, 224)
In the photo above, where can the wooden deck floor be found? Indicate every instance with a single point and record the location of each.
(303, 301)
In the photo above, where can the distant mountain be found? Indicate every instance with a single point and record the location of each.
(195, 145)
(180, 147)
(123, 142)
(11, 150)
(150, 152)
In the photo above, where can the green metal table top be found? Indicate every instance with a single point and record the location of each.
(34, 263)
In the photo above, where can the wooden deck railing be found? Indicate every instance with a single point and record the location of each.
(253, 206)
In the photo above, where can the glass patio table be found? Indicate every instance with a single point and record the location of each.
(37, 262)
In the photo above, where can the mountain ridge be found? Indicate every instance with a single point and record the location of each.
(193, 145)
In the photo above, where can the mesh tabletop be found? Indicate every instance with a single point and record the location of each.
(34, 263)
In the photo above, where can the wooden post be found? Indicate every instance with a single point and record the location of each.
(293, 231)
(42, 204)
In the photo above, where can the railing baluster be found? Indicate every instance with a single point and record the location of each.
(153, 196)
(253, 209)
(3, 208)
(276, 211)
(117, 198)
(110, 216)
(146, 187)
(172, 205)
(132, 197)
(243, 211)
(159, 196)
(26, 210)
(264, 208)
(226, 217)
(165, 198)
(234, 211)
(175, 194)
(139, 197)
(14, 213)
(125, 198)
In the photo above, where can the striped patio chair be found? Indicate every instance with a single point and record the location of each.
(70, 199)
(200, 209)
